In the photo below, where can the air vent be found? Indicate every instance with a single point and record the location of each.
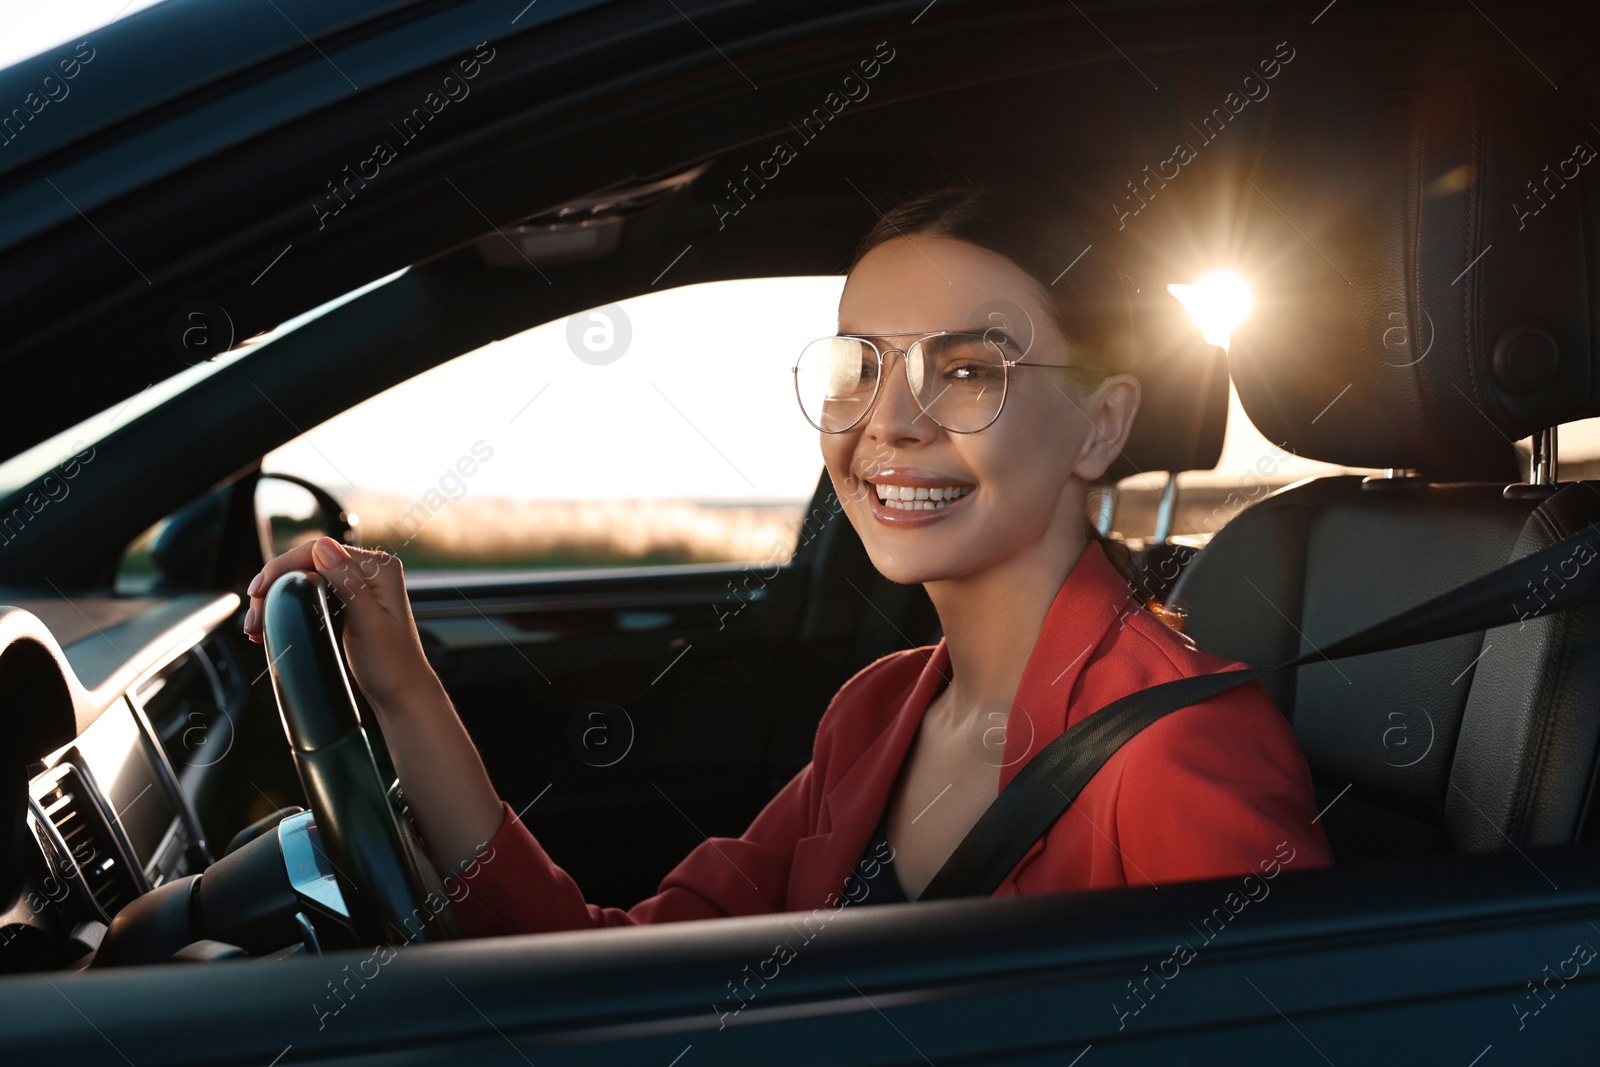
(69, 802)
(189, 706)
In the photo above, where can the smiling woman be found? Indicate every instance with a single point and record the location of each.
(707, 683)
(1012, 564)
(976, 388)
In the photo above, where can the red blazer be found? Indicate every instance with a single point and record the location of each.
(1216, 789)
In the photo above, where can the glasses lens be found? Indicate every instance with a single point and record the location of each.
(835, 379)
(959, 379)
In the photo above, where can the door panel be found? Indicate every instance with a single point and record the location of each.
(1373, 964)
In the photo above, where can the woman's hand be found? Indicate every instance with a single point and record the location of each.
(452, 800)
(381, 644)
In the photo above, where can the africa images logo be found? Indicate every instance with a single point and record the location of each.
(454, 89)
(1252, 889)
(52, 90)
(852, 89)
(784, 953)
(1252, 89)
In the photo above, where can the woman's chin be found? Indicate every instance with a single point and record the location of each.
(919, 568)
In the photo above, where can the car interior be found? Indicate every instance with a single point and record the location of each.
(1507, 717)
(1415, 317)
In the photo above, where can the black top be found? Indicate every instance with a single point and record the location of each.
(884, 886)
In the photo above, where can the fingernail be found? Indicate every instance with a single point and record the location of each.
(250, 619)
(324, 552)
(255, 586)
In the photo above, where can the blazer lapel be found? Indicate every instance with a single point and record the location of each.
(1089, 603)
(1091, 600)
(853, 805)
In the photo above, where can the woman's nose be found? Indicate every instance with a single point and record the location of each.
(895, 414)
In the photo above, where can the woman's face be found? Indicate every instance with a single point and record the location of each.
(1019, 485)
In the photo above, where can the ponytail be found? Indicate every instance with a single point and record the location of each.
(1121, 557)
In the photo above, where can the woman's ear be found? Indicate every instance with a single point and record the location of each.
(1111, 409)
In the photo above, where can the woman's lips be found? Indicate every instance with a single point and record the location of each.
(915, 477)
(910, 497)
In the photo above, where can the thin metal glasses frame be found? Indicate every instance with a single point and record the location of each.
(1006, 366)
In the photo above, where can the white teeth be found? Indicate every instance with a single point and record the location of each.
(910, 498)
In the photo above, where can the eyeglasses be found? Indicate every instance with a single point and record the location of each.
(959, 380)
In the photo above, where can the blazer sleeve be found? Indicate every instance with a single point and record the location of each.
(517, 888)
(1217, 789)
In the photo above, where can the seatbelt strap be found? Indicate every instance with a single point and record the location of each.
(1048, 783)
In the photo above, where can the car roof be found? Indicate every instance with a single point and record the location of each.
(134, 73)
(190, 167)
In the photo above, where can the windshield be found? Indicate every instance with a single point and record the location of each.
(26, 467)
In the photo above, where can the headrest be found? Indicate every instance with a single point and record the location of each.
(1425, 278)
(1183, 390)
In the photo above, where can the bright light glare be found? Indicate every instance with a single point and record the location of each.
(1219, 302)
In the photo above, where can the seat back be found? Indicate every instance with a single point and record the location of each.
(1467, 742)
(1411, 323)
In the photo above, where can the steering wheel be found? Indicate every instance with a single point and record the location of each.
(391, 891)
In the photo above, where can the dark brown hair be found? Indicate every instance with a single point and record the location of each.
(1088, 297)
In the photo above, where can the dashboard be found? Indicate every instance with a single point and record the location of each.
(126, 710)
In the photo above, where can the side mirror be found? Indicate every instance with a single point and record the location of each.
(291, 510)
(185, 549)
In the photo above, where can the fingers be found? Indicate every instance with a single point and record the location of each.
(296, 559)
(350, 572)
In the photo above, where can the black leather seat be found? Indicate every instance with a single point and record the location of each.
(1411, 323)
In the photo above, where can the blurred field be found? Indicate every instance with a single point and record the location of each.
(497, 532)
(486, 532)
(1205, 509)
